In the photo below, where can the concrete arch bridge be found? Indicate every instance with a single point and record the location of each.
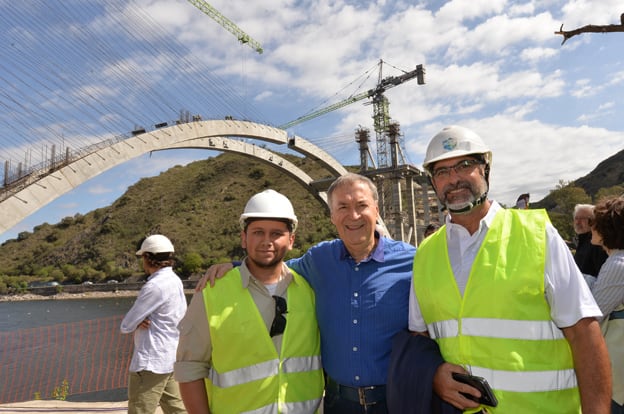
(28, 192)
(33, 190)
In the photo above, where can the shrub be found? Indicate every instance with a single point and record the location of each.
(61, 392)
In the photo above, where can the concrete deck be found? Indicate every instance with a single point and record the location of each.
(58, 407)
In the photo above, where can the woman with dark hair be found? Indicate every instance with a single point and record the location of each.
(607, 229)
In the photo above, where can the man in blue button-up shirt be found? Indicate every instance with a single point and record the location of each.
(362, 285)
(361, 282)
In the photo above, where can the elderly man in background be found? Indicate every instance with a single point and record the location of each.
(588, 257)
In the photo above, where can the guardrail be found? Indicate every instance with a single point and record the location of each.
(96, 287)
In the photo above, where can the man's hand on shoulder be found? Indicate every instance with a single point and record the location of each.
(213, 273)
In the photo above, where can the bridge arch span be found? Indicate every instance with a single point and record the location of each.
(45, 187)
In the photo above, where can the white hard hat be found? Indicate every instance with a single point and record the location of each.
(156, 243)
(455, 141)
(271, 205)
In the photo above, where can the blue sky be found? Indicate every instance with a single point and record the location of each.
(77, 72)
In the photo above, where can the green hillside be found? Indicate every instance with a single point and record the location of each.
(604, 180)
(197, 206)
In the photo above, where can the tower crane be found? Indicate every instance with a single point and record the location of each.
(381, 116)
(389, 178)
(229, 25)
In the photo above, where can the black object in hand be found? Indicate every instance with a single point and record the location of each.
(487, 396)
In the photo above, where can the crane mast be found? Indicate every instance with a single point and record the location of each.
(226, 23)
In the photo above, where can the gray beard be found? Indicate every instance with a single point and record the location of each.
(465, 206)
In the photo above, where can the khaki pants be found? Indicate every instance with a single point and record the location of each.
(147, 389)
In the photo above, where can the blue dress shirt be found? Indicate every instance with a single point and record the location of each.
(359, 306)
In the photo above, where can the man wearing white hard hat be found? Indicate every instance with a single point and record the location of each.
(251, 343)
(154, 319)
(499, 291)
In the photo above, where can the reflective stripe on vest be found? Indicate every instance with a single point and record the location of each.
(496, 328)
(501, 327)
(527, 381)
(247, 374)
(263, 370)
(294, 408)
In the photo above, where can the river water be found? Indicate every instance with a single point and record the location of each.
(67, 322)
(37, 313)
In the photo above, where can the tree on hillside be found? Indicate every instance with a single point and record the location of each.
(192, 262)
(616, 190)
(566, 196)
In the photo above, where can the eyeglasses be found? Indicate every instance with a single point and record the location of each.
(464, 167)
(279, 321)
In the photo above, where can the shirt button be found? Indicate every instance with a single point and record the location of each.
(357, 269)
(355, 349)
(355, 294)
(357, 377)
(355, 321)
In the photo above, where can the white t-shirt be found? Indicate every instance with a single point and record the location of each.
(567, 293)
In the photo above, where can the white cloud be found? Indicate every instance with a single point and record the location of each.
(530, 156)
(99, 189)
(584, 12)
(461, 10)
(69, 206)
(536, 54)
(583, 88)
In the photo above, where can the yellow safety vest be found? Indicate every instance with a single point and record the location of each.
(501, 328)
(247, 374)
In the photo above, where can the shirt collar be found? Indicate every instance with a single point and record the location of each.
(377, 254)
(158, 272)
(246, 275)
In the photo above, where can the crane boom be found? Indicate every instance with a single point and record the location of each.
(382, 86)
(325, 110)
(229, 25)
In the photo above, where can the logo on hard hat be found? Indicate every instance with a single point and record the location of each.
(449, 144)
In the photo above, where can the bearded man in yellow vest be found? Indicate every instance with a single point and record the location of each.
(499, 291)
(251, 343)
